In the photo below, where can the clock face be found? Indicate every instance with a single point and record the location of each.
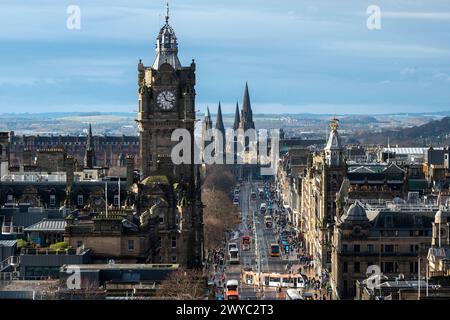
(166, 100)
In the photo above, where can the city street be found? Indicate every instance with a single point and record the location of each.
(258, 258)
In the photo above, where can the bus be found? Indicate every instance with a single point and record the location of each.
(275, 250)
(232, 290)
(284, 280)
(245, 243)
(292, 294)
(268, 222)
(232, 245)
(234, 255)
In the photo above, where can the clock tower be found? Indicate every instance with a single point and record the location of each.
(166, 95)
(169, 194)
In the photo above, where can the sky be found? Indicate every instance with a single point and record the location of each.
(297, 56)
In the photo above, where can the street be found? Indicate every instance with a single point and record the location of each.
(258, 258)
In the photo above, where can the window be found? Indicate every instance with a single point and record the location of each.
(389, 248)
(116, 200)
(344, 248)
(52, 199)
(356, 267)
(345, 267)
(388, 221)
(174, 242)
(10, 198)
(388, 267)
(356, 248)
(370, 248)
(130, 245)
(80, 200)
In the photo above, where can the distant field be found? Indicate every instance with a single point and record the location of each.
(104, 118)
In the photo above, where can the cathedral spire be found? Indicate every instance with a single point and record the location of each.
(207, 120)
(237, 119)
(219, 121)
(247, 113)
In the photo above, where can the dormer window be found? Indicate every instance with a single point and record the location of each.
(388, 221)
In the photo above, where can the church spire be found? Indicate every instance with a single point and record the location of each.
(247, 113)
(207, 120)
(219, 120)
(89, 155)
(89, 143)
(237, 119)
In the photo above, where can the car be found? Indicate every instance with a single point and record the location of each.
(262, 208)
(236, 201)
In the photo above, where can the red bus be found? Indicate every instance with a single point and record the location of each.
(245, 243)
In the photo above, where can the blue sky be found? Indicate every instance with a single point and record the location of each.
(297, 56)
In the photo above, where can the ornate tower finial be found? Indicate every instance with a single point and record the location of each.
(167, 12)
(334, 124)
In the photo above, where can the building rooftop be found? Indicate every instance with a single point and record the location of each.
(48, 225)
(122, 266)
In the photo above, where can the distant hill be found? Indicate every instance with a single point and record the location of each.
(436, 132)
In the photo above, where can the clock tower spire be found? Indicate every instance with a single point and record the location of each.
(166, 99)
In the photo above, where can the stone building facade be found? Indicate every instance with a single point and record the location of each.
(391, 242)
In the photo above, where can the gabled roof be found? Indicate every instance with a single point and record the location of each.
(8, 243)
(393, 168)
(48, 225)
(362, 169)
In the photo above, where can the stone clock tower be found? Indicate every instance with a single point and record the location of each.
(166, 102)
(166, 95)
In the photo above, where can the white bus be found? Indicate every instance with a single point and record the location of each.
(233, 254)
(292, 294)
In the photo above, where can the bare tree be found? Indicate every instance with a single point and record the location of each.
(219, 178)
(183, 284)
(219, 215)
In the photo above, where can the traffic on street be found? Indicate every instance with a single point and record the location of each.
(263, 259)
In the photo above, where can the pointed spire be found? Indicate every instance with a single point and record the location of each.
(207, 122)
(89, 155)
(247, 113)
(89, 138)
(237, 118)
(246, 102)
(219, 120)
(167, 13)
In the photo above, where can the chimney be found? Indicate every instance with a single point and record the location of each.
(27, 161)
(130, 171)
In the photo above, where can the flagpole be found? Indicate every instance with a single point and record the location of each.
(419, 278)
(106, 198)
(119, 194)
